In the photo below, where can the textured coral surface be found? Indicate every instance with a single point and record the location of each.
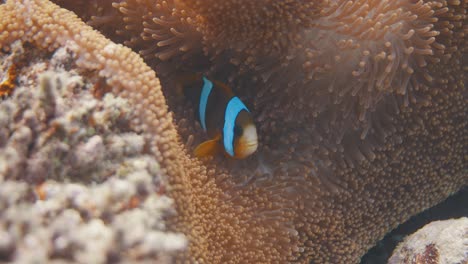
(361, 110)
(440, 242)
(75, 183)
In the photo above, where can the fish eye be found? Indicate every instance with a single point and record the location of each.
(238, 131)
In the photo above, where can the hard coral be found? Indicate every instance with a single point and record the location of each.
(361, 112)
(75, 183)
(438, 242)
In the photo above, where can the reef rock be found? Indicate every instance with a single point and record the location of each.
(75, 183)
(440, 242)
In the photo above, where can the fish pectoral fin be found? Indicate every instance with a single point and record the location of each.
(208, 148)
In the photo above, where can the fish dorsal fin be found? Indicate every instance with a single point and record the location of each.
(209, 148)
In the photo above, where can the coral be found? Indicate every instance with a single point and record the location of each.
(438, 242)
(361, 112)
(9, 72)
(8, 84)
(75, 183)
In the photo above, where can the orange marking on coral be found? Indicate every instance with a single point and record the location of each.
(134, 202)
(100, 88)
(40, 191)
(8, 85)
(55, 126)
(161, 190)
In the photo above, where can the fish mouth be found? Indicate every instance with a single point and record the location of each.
(251, 144)
(246, 149)
(250, 148)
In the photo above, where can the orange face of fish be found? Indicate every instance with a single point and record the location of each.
(245, 136)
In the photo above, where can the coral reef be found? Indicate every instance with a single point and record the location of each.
(440, 242)
(75, 182)
(361, 112)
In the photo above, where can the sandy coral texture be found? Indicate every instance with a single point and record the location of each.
(75, 183)
(440, 242)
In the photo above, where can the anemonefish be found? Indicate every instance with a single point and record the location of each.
(222, 115)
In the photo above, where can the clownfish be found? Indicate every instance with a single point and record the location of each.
(222, 115)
